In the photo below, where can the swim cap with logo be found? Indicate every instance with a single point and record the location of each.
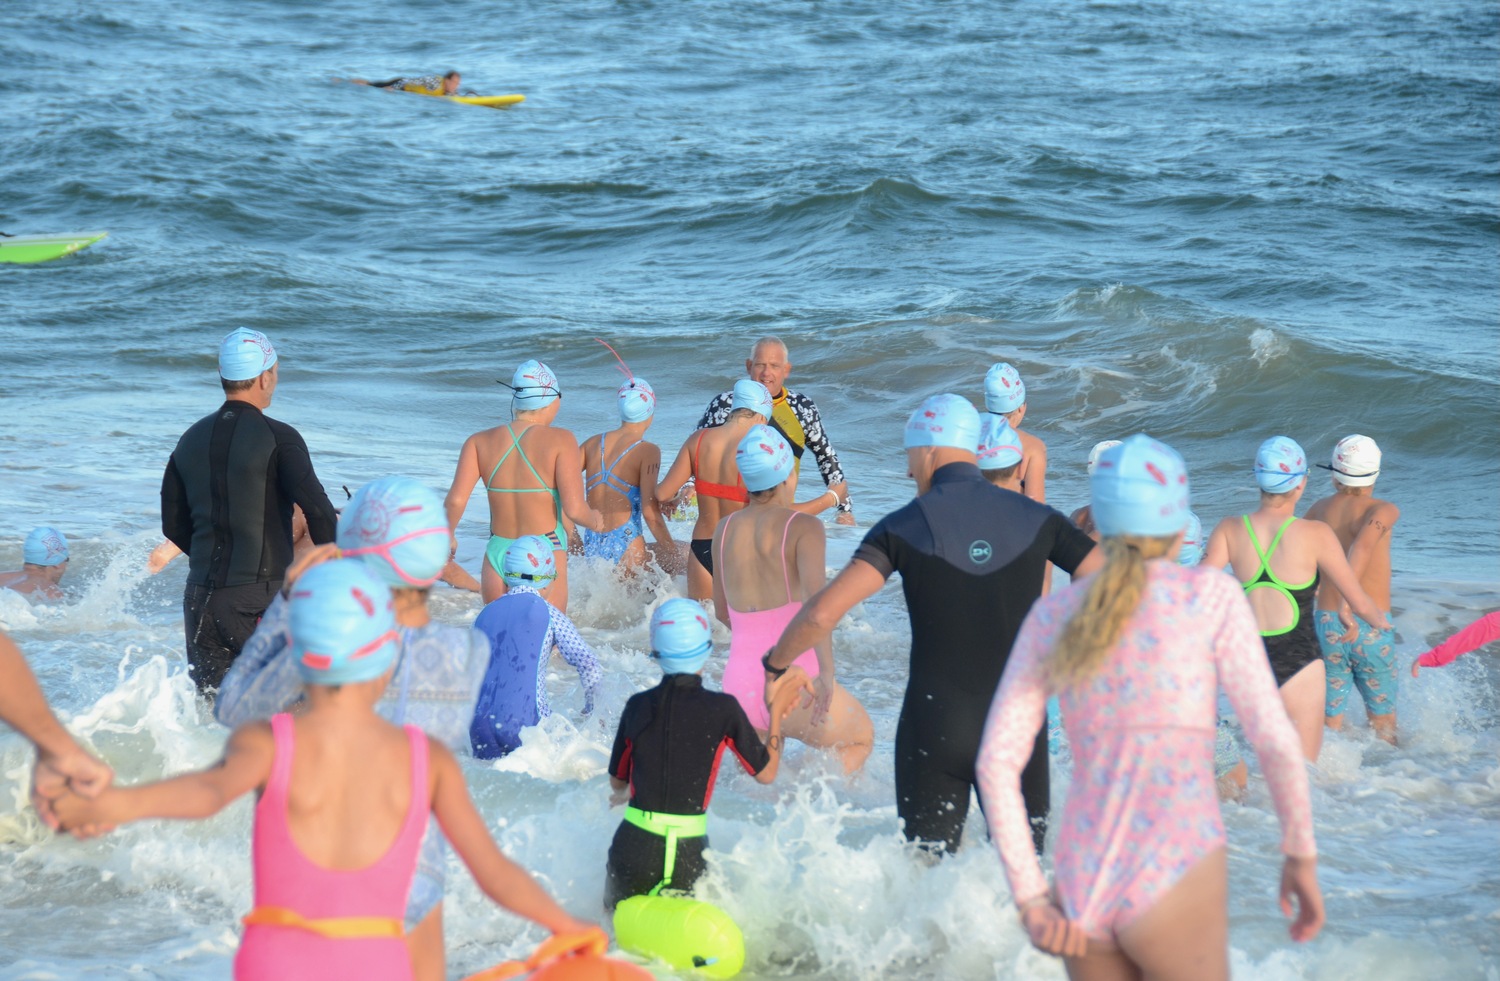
(999, 444)
(1003, 389)
(1099, 448)
(342, 624)
(1280, 465)
(534, 386)
(245, 354)
(751, 395)
(944, 420)
(529, 562)
(1140, 488)
(681, 638)
(45, 546)
(1193, 544)
(637, 400)
(1356, 461)
(398, 525)
(764, 458)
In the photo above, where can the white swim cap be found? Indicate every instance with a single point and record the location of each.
(944, 420)
(1099, 448)
(1003, 389)
(1356, 461)
(245, 354)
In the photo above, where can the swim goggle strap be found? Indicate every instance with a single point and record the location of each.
(384, 551)
(1286, 476)
(530, 576)
(531, 391)
(322, 662)
(1345, 473)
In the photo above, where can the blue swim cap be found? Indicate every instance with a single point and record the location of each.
(534, 386)
(529, 562)
(1003, 389)
(764, 458)
(1193, 544)
(751, 395)
(45, 546)
(637, 400)
(342, 624)
(681, 638)
(245, 354)
(944, 420)
(1140, 488)
(999, 445)
(398, 525)
(1280, 465)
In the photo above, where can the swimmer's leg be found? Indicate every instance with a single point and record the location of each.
(1303, 696)
(425, 944)
(1184, 935)
(1336, 665)
(846, 729)
(558, 595)
(700, 581)
(1374, 670)
(931, 800)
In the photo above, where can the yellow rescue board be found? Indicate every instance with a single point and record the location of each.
(493, 101)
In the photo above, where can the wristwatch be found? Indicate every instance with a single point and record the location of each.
(765, 662)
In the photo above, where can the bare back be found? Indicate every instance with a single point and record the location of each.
(712, 453)
(637, 467)
(519, 466)
(346, 803)
(1351, 515)
(1293, 560)
(767, 556)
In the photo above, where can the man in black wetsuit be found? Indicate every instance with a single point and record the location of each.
(226, 500)
(971, 557)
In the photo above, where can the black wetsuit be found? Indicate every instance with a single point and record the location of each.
(226, 500)
(668, 747)
(971, 558)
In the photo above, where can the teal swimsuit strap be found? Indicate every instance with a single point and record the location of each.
(1266, 579)
(515, 447)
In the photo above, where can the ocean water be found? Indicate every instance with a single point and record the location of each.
(1210, 221)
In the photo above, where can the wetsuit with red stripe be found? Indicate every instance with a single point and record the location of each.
(668, 748)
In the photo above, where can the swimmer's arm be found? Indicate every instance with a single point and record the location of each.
(569, 478)
(245, 766)
(813, 624)
(1017, 713)
(501, 879)
(578, 654)
(464, 478)
(1333, 564)
(721, 599)
(650, 471)
(677, 475)
(828, 458)
(1034, 479)
(176, 513)
(1216, 552)
(1375, 532)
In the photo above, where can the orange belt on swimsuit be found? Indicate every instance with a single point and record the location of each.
(334, 928)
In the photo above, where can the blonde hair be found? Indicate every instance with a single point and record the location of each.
(1110, 599)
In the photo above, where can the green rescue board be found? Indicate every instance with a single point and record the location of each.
(40, 248)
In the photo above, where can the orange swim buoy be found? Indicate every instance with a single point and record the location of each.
(567, 957)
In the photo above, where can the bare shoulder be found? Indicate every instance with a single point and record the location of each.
(1032, 444)
(808, 527)
(252, 737)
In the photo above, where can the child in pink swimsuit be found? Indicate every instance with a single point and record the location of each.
(329, 897)
(1139, 710)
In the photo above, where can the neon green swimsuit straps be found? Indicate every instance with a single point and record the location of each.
(495, 550)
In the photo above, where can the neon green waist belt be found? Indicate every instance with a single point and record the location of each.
(670, 827)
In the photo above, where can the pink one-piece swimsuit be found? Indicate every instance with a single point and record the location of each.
(1142, 807)
(286, 878)
(752, 634)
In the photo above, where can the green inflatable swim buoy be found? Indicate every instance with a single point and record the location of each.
(684, 933)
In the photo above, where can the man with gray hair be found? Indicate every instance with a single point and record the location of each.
(226, 500)
(793, 415)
